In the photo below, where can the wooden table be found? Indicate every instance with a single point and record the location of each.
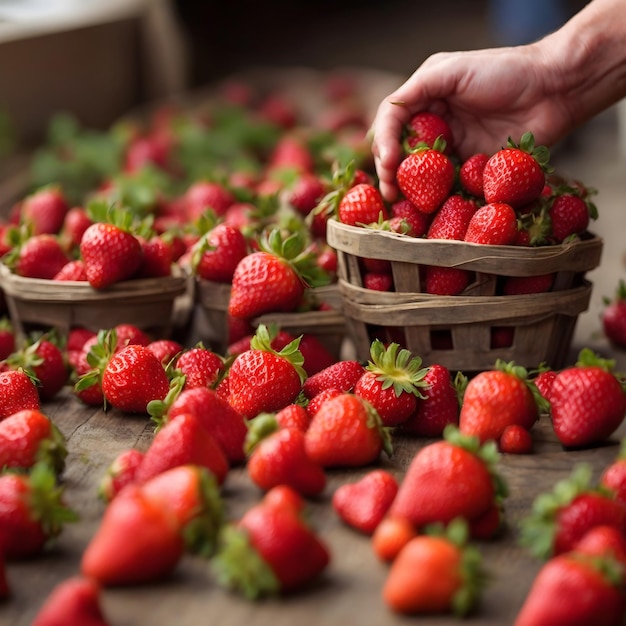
(349, 592)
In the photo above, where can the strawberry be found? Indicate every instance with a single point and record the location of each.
(587, 401)
(130, 334)
(166, 350)
(438, 407)
(346, 431)
(110, 254)
(316, 402)
(120, 473)
(515, 439)
(364, 503)
(263, 380)
(446, 281)
(306, 192)
(29, 436)
(613, 476)
(362, 204)
(200, 366)
(424, 127)
(72, 270)
(516, 174)
(203, 195)
(543, 381)
(7, 338)
(570, 214)
(44, 210)
(436, 573)
(495, 399)
(520, 285)
(341, 375)
(183, 440)
(425, 177)
(558, 520)
(390, 536)
(613, 317)
(471, 174)
(575, 589)
(32, 511)
(378, 281)
(391, 382)
(75, 223)
(217, 253)
(452, 219)
(269, 551)
(156, 258)
(293, 416)
(40, 256)
(18, 391)
(75, 600)
(76, 338)
(291, 152)
(493, 224)
(447, 479)
(157, 546)
(280, 458)
(603, 541)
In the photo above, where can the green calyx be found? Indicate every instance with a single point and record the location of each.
(260, 427)
(589, 358)
(97, 358)
(538, 529)
(262, 340)
(158, 409)
(52, 450)
(541, 154)
(239, 566)
(341, 180)
(511, 368)
(397, 368)
(374, 422)
(439, 145)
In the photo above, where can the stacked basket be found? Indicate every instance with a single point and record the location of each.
(467, 332)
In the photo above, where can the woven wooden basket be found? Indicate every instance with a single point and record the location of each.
(155, 305)
(469, 331)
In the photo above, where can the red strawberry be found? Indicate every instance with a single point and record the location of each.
(448, 479)
(280, 458)
(471, 174)
(439, 406)
(72, 270)
(587, 401)
(435, 574)
(364, 503)
(425, 127)
(341, 375)
(75, 600)
(200, 366)
(559, 520)
(392, 382)
(390, 536)
(29, 436)
(110, 254)
(293, 416)
(44, 210)
(575, 590)
(570, 214)
(446, 281)
(493, 224)
(156, 258)
(217, 253)
(291, 152)
(515, 439)
(286, 552)
(306, 192)
(130, 334)
(7, 338)
(603, 541)
(17, 392)
(166, 350)
(495, 399)
(614, 475)
(40, 256)
(614, 317)
(378, 281)
(452, 219)
(263, 380)
(426, 177)
(316, 401)
(203, 195)
(76, 338)
(516, 175)
(519, 285)
(120, 473)
(32, 512)
(543, 382)
(362, 204)
(346, 431)
(157, 545)
(76, 222)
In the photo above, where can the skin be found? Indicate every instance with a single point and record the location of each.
(550, 87)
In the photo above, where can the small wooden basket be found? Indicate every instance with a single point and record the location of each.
(469, 331)
(150, 304)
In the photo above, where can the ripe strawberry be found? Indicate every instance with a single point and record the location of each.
(217, 253)
(424, 127)
(17, 392)
(614, 317)
(407, 219)
(495, 399)
(120, 473)
(364, 503)
(452, 219)
(32, 512)
(72, 270)
(110, 254)
(493, 224)
(157, 545)
(574, 589)
(156, 257)
(7, 338)
(426, 177)
(603, 541)
(436, 574)
(203, 195)
(127, 334)
(44, 210)
(520, 285)
(200, 366)
(376, 281)
(166, 350)
(543, 382)
(346, 431)
(390, 536)
(316, 401)
(293, 416)
(280, 458)
(263, 380)
(587, 401)
(559, 520)
(29, 436)
(438, 407)
(341, 375)
(270, 550)
(447, 479)
(570, 214)
(446, 281)
(515, 439)
(392, 382)
(75, 600)
(471, 174)
(75, 223)
(40, 256)
(516, 174)
(362, 204)
(306, 192)
(613, 476)
(291, 152)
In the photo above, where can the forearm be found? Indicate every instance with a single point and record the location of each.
(590, 55)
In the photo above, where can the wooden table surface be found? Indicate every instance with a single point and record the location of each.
(350, 590)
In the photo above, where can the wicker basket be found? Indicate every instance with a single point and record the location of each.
(469, 331)
(155, 305)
